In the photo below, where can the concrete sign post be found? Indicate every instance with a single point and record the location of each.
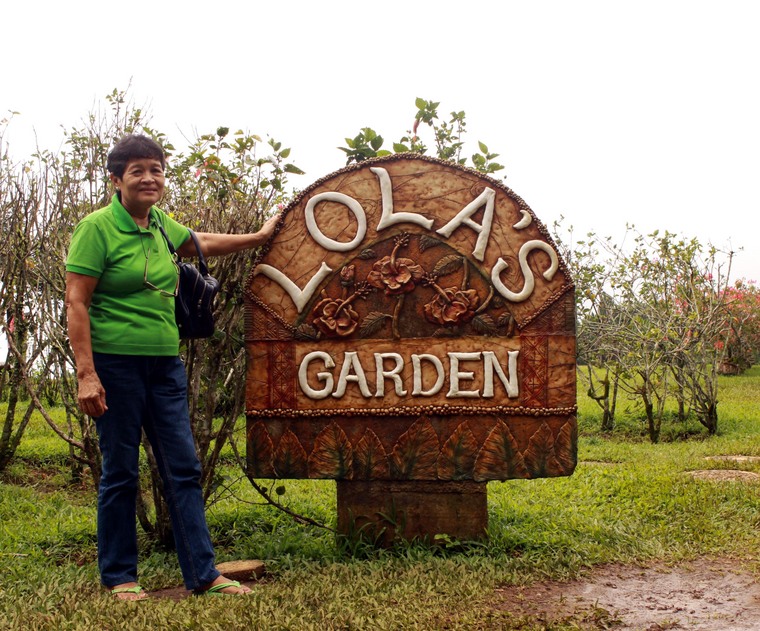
(410, 330)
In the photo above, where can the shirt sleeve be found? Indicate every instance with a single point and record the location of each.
(87, 253)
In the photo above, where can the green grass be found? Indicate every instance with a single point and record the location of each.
(629, 501)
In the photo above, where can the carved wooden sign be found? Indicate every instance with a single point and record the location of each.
(410, 320)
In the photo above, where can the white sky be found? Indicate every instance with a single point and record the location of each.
(604, 112)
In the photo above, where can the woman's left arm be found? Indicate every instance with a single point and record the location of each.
(217, 244)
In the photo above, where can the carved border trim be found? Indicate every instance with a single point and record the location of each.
(430, 410)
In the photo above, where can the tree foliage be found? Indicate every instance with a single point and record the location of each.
(743, 340)
(656, 318)
(447, 137)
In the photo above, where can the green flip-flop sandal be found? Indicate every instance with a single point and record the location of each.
(137, 590)
(216, 590)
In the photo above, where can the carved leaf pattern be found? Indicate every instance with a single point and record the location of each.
(427, 242)
(457, 458)
(370, 459)
(508, 321)
(290, 457)
(499, 458)
(332, 456)
(415, 454)
(484, 324)
(306, 332)
(260, 451)
(540, 458)
(373, 323)
(566, 448)
(451, 332)
(447, 265)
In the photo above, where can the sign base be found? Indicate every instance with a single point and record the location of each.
(383, 511)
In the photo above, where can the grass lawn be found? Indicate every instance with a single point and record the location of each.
(629, 501)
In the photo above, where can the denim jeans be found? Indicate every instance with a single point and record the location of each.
(148, 393)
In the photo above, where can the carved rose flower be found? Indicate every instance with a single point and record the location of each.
(335, 318)
(397, 276)
(452, 306)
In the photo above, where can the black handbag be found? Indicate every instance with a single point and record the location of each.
(194, 303)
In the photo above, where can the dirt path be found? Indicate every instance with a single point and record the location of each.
(702, 595)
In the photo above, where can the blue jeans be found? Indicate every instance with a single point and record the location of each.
(148, 393)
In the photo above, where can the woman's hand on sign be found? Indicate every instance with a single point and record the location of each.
(219, 244)
(267, 230)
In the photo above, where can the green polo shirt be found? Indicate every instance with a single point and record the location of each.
(126, 317)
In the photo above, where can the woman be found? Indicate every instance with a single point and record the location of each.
(120, 288)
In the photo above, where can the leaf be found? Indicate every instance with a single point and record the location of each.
(540, 458)
(290, 457)
(447, 332)
(457, 458)
(259, 452)
(366, 254)
(370, 459)
(306, 333)
(373, 323)
(482, 147)
(447, 265)
(400, 148)
(505, 319)
(420, 103)
(427, 242)
(415, 453)
(292, 168)
(499, 458)
(566, 447)
(285, 153)
(484, 324)
(332, 457)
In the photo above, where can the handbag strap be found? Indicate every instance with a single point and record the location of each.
(201, 259)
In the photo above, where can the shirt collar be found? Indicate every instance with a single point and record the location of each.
(124, 220)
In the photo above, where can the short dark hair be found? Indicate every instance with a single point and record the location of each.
(133, 147)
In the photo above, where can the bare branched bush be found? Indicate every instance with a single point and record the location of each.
(221, 184)
(653, 322)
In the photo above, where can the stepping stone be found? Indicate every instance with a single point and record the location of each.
(242, 571)
(725, 475)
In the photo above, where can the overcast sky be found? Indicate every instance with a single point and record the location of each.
(603, 112)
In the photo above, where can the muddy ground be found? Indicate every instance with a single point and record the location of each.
(704, 595)
(716, 594)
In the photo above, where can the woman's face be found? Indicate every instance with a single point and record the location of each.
(142, 184)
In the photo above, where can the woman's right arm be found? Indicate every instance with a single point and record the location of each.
(79, 290)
